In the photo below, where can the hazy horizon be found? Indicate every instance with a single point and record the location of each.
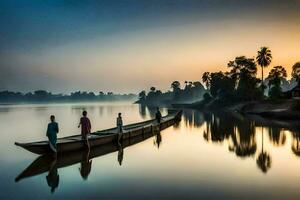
(128, 46)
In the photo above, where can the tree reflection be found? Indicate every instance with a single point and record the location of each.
(239, 131)
(264, 159)
(277, 136)
(243, 138)
(152, 110)
(296, 143)
(193, 118)
(142, 110)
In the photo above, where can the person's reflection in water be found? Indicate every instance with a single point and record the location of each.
(120, 154)
(158, 140)
(53, 177)
(86, 165)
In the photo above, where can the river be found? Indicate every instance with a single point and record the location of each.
(206, 155)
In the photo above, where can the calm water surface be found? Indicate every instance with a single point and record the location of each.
(205, 155)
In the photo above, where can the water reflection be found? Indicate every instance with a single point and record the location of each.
(277, 136)
(53, 177)
(245, 140)
(158, 140)
(120, 154)
(142, 111)
(240, 133)
(46, 163)
(85, 165)
(296, 143)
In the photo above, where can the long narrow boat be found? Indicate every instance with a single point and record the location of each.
(44, 162)
(75, 142)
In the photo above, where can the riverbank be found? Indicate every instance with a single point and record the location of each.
(271, 109)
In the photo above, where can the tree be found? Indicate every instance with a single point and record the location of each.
(175, 86)
(176, 89)
(296, 71)
(276, 75)
(142, 95)
(243, 77)
(185, 82)
(152, 89)
(221, 85)
(198, 85)
(206, 79)
(263, 58)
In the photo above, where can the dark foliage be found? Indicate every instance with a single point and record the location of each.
(45, 96)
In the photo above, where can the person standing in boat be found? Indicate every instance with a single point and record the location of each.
(85, 124)
(119, 127)
(52, 131)
(158, 116)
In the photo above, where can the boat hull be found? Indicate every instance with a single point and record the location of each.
(74, 143)
(43, 163)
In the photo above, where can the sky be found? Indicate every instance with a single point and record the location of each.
(130, 45)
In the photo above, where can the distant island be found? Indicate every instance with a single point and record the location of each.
(43, 96)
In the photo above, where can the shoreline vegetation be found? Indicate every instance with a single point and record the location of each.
(192, 91)
(240, 89)
(43, 96)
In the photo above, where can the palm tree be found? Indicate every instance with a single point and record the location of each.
(296, 71)
(152, 89)
(263, 58)
(142, 95)
(186, 82)
(206, 79)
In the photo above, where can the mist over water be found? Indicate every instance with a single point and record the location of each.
(206, 155)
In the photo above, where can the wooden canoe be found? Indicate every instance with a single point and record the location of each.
(44, 163)
(75, 142)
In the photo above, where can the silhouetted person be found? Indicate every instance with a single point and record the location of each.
(119, 127)
(52, 131)
(85, 127)
(158, 116)
(53, 177)
(86, 166)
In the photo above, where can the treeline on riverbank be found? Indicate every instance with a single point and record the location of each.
(241, 84)
(192, 91)
(45, 96)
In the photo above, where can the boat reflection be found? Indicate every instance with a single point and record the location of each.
(46, 163)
